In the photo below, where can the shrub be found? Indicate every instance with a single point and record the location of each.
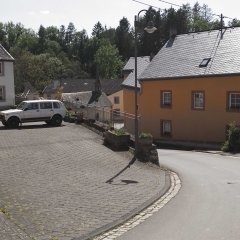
(120, 131)
(145, 135)
(232, 144)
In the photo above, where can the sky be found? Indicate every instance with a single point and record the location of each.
(86, 13)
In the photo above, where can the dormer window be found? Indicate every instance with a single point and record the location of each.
(204, 62)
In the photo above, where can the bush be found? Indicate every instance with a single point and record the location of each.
(232, 144)
(120, 131)
(145, 135)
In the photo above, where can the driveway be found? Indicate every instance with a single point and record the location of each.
(52, 183)
(207, 206)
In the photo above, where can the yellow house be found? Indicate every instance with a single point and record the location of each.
(190, 91)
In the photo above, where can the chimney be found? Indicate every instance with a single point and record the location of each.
(172, 32)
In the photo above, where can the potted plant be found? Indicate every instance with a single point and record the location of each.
(117, 138)
(145, 138)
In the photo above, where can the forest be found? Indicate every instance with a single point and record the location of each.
(65, 52)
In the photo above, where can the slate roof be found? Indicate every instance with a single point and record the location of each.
(4, 55)
(181, 56)
(79, 99)
(109, 86)
(142, 63)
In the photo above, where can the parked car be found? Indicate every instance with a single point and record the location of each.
(50, 111)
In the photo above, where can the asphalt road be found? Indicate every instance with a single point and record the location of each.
(207, 206)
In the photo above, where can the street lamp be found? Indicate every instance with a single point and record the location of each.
(149, 29)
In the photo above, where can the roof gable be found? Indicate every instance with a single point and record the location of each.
(142, 63)
(4, 55)
(182, 56)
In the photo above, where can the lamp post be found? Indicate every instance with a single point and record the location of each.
(149, 29)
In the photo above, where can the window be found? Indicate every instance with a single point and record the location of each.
(116, 100)
(204, 62)
(234, 101)
(198, 100)
(56, 105)
(166, 128)
(1, 68)
(2, 93)
(166, 99)
(32, 106)
(46, 105)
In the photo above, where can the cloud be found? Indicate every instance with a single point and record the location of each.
(32, 13)
(44, 12)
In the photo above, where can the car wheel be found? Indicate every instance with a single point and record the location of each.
(48, 122)
(13, 122)
(56, 120)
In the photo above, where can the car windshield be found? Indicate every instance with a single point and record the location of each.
(21, 106)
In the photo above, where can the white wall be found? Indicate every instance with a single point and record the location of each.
(7, 80)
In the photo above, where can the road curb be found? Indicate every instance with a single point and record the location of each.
(139, 214)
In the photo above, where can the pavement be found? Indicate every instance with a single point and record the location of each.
(53, 184)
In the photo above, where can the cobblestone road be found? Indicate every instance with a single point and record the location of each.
(52, 183)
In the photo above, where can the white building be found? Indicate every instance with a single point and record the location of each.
(7, 92)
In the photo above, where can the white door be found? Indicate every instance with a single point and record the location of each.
(46, 110)
(31, 112)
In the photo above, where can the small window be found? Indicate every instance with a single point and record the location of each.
(116, 100)
(198, 100)
(204, 62)
(56, 105)
(166, 99)
(234, 101)
(1, 68)
(2, 93)
(166, 128)
(46, 105)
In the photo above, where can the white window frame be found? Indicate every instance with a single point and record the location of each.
(234, 100)
(198, 100)
(166, 126)
(166, 98)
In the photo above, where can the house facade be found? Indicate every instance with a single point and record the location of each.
(190, 92)
(7, 91)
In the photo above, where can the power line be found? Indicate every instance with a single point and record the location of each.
(146, 4)
(213, 14)
(173, 4)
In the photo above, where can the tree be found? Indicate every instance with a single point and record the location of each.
(27, 41)
(108, 61)
(13, 32)
(41, 39)
(39, 70)
(124, 39)
(97, 30)
(201, 18)
(70, 32)
(234, 23)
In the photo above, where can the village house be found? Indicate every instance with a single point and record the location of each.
(111, 87)
(190, 91)
(7, 92)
